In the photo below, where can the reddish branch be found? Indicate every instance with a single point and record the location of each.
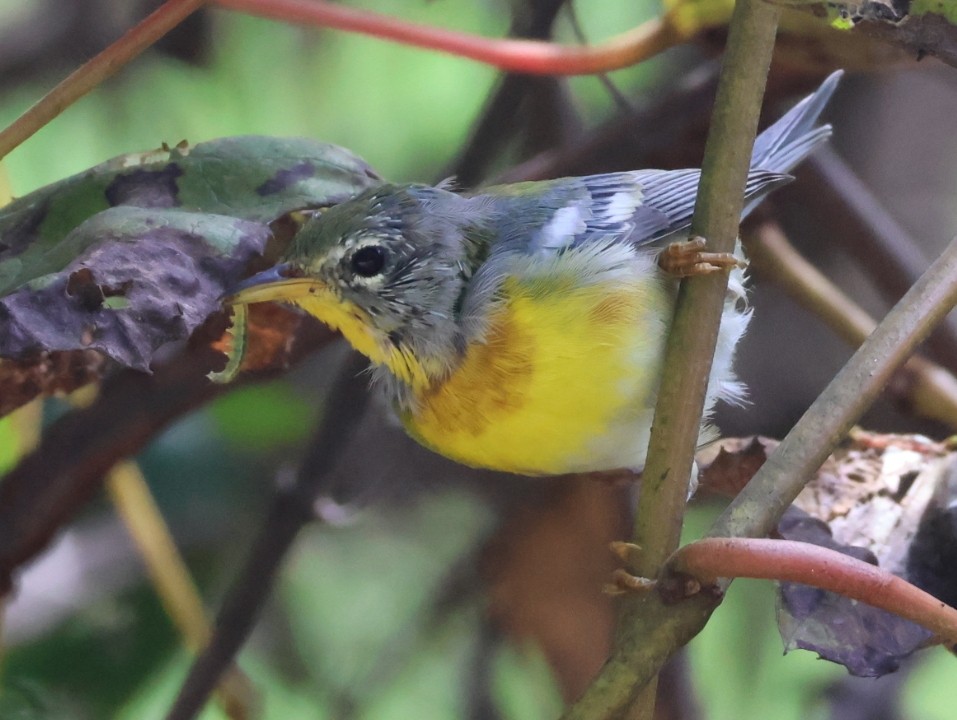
(522, 56)
(787, 560)
(95, 71)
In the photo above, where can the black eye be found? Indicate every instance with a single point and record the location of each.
(368, 261)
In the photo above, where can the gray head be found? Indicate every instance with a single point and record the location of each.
(387, 268)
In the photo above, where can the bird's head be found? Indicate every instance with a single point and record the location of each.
(388, 269)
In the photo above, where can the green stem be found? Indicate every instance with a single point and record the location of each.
(649, 631)
(691, 343)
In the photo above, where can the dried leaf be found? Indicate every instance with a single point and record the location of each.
(134, 254)
(883, 499)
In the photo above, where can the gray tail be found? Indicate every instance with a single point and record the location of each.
(795, 135)
(786, 143)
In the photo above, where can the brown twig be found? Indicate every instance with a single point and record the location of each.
(787, 560)
(293, 508)
(522, 56)
(931, 391)
(863, 224)
(95, 71)
(51, 484)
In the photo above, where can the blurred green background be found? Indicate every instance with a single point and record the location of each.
(355, 628)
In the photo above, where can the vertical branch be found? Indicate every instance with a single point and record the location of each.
(694, 333)
(649, 631)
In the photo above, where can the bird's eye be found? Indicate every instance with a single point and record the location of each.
(368, 261)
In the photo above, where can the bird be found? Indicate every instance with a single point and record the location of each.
(522, 327)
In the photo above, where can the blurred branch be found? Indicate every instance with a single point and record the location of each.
(929, 33)
(522, 56)
(757, 509)
(860, 220)
(648, 631)
(293, 507)
(516, 104)
(170, 577)
(617, 95)
(666, 123)
(790, 561)
(92, 73)
(930, 389)
(51, 484)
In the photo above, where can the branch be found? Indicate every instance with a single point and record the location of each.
(864, 225)
(757, 509)
(95, 71)
(792, 561)
(521, 56)
(649, 632)
(693, 336)
(929, 389)
(51, 484)
(293, 507)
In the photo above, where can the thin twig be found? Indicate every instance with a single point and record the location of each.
(757, 509)
(791, 561)
(522, 56)
(928, 389)
(293, 508)
(617, 95)
(895, 258)
(134, 503)
(95, 71)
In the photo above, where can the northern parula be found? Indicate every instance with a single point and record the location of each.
(521, 328)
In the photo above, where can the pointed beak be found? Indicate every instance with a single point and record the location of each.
(281, 283)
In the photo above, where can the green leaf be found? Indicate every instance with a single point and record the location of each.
(251, 177)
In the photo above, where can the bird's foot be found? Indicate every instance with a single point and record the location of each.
(687, 258)
(623, 582)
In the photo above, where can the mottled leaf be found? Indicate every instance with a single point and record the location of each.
(116, 262)
(140, 279)
(874, 499)
(251, 177)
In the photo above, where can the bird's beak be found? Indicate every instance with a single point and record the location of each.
(281, 283)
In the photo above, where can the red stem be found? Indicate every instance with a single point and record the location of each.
(96, 70)
(522, 56)
(787, 560)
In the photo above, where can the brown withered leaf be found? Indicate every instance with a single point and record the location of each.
(885, 499)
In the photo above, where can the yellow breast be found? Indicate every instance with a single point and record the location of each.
(563, 381)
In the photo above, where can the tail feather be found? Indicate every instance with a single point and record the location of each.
(792, 138)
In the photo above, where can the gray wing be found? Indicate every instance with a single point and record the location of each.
(638, 207)
(648, 205)
(631, 208)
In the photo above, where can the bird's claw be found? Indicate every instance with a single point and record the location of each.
(687, 258)
(625, 582)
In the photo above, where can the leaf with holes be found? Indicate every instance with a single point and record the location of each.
(109, 266)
